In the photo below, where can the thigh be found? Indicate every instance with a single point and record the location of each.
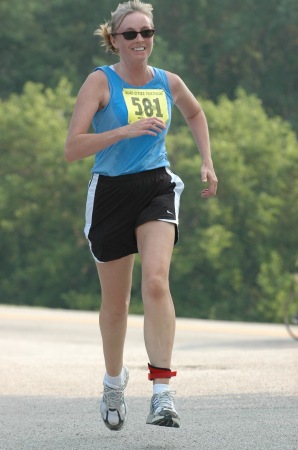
(155, 241)
(164, 203)
(116, 279)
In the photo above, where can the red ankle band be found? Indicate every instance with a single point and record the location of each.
(159, 372)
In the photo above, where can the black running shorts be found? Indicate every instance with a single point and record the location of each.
(116, 206)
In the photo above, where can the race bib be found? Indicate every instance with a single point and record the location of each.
(143, 103)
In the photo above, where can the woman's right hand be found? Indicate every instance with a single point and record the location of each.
(151, 126)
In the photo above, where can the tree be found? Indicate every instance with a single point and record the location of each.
(237, 252)
(41, 201)
(215, 46)
(232, 247)
(231, 44)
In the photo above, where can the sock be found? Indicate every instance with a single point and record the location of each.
(158, 388)
(114, 382)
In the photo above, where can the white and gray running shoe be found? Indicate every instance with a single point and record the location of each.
(163, 411)
(113, 407)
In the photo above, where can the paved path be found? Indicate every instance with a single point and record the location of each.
(237, 385)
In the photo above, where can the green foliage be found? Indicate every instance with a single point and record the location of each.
(237, 252)
(215, 46)
(232, 247)
(41, 201)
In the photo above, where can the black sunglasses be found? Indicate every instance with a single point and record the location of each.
(130, 35)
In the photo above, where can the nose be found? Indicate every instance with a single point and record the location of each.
(139, 33)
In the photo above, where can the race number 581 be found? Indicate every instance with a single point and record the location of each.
(145, 103)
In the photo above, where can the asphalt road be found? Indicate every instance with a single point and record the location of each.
(236, 386)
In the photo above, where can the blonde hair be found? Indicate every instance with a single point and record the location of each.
(111, 26)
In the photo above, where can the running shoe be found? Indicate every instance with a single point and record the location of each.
(113, 407)
(163, 411)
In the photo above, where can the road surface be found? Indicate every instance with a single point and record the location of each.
(236, 386)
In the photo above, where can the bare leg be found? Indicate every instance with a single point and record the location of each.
(155, 243)
(115, 279)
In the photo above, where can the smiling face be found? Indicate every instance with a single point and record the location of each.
(138, 48)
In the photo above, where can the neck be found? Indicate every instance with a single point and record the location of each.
(137, 75)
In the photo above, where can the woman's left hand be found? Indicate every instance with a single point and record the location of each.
(208, 176)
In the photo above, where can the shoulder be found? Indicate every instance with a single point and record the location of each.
(176, 84)
(97, 78)
(173, 78)
(182, 96)
(96, 86)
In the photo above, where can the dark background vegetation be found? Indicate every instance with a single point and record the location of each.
(238, 252)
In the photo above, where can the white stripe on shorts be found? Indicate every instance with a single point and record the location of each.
(178, 191)
(89, 208)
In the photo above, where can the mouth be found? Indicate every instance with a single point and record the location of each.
(138, 49)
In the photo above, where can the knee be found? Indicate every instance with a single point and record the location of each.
(155, 287)
(116, 310)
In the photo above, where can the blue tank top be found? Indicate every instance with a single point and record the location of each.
(128, 104)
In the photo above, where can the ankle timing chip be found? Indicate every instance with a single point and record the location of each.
(159, 372)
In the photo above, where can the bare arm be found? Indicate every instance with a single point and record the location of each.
(93, 96)
(196, 120)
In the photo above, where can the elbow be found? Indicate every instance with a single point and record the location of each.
(68, 155)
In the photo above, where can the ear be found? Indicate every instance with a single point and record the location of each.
(113, 41)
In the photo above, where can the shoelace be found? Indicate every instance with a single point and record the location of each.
(164, 400)
(113, 397)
